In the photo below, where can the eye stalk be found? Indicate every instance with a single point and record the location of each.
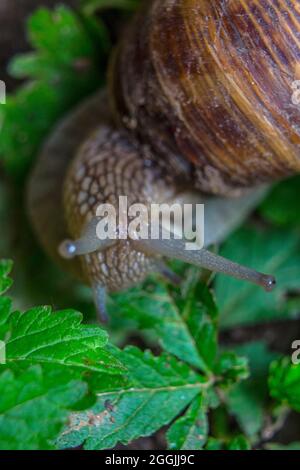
(88, 243)
(269, 283)
(68, 249)
(169, 248)
(176, 249)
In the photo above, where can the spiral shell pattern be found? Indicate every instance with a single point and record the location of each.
(214, 84)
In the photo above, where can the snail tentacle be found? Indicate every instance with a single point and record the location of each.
(99, 294)
(176, 249)
(88, 243)
(168, 274)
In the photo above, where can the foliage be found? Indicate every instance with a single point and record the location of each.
(282, 206)
(158, 389)
(34, 405)
(59, 78)
(284, 383)
(53, 357)
(64, 382)
(243, 303)
(48, 358)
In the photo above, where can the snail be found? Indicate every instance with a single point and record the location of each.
(198, 108)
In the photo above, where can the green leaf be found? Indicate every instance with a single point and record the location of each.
(155, 309)
(247, 400)
(34, 406)
(239, 443)
(159, 389)
(284, 383)
(231, 368)
(42, 336)
(270, 251)
(61, 77)
(282, 206)
(200, 313)
(190, 431)
(214, 444)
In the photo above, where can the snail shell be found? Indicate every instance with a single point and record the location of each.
(210, 84)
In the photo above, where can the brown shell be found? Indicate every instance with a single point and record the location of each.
(209, 84)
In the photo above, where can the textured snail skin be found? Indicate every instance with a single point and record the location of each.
(109, 165)
(210, 83)
(84, 163)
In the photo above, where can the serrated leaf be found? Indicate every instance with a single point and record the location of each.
(155, 309)
(190, 431)
(199, 311)
(34, 406)
(270, 251)
(61, 76)
(159, 389)
(42, 336)
(284, 383)
(247, 400)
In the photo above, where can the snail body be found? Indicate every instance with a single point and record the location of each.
(199, 108)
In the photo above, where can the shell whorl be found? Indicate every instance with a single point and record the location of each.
(212, 82)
